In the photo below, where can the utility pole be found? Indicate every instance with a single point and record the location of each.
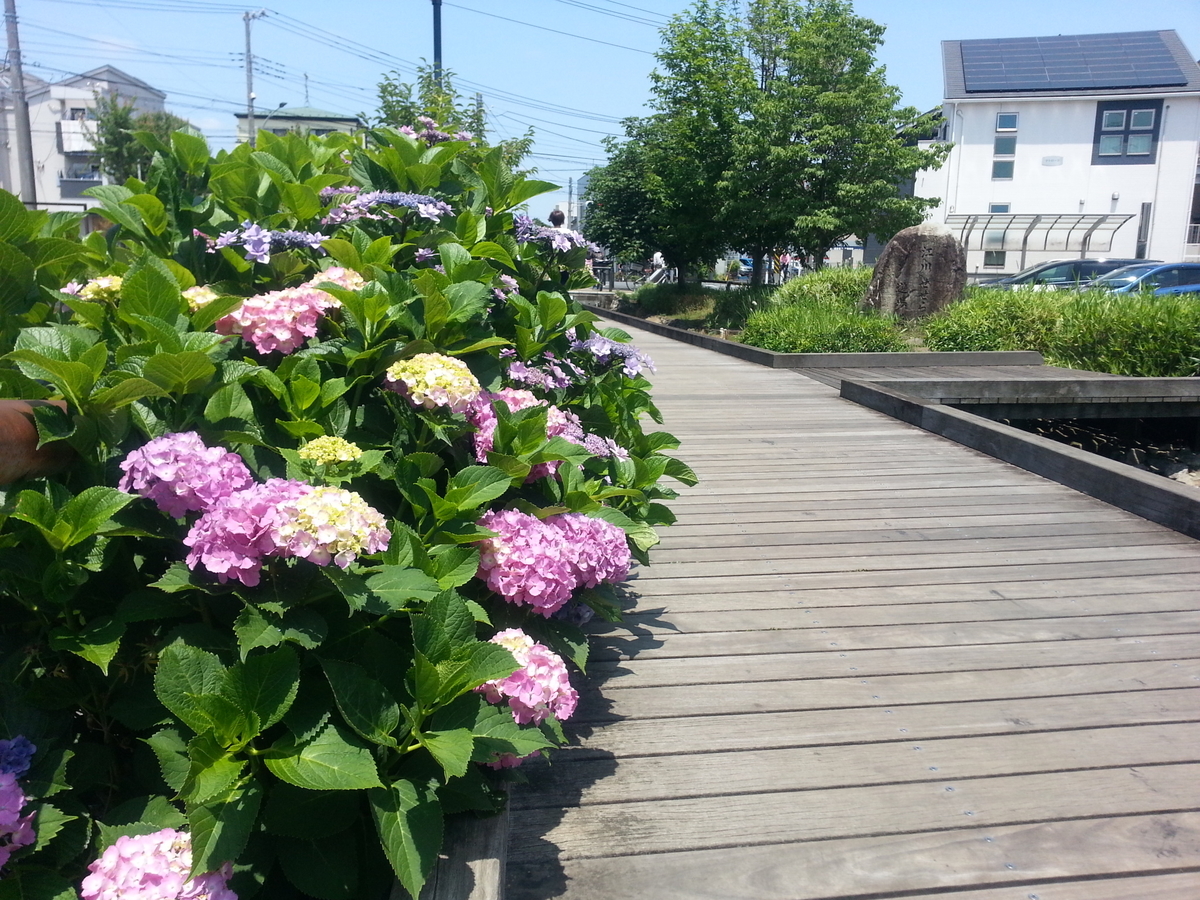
(479, 114)
(437, 42)
(570, 201)
(21, 105)
(306, 89)
(249, 17)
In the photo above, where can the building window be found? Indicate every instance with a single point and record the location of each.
(1005, 145)
(1006, 121)
(999, 207)
(1126, 132)
(1002, 170)
(78, 113)
(993, 259)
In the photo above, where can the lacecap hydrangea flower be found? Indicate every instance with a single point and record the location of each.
(540, 563)
(330, 449)
(431, 380)
(559, 423)
(539, 689)
(181, 474)
(153, 867)
(608, 353)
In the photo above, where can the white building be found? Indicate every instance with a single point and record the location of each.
(301, 119)
(64, 159)
(1069, 146)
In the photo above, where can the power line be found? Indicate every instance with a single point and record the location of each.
(551, 30)
(608, 12)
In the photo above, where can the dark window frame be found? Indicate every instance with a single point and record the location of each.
(1129, 107)
(1010, 163)
(996, 257)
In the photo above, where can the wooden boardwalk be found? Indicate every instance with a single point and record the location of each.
(871, 663)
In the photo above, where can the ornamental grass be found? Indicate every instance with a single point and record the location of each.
(346, 470)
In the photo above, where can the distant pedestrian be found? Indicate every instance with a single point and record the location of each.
(661, 271)
(558, 220)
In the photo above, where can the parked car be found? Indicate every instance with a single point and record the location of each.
(1060, 273)
(1161, 278)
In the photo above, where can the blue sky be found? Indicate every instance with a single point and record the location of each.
(573, 83)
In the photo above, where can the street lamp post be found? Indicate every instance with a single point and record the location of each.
(437, 41)
(267, 117)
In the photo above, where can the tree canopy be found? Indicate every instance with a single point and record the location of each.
(114, 136)
(773, 130)
(402, 102)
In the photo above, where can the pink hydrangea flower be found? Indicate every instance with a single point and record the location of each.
(596, 550)
(181, 474)
(279, 320)
(16, 831)
(153, 867)
(559, 423)
(539, 689)
(283, 519)
(527, 562)
(235, 534)
(431, 380)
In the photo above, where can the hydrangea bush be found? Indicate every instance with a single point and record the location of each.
(346, 470)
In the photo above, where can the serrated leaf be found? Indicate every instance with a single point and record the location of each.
(221, 827)
(265, 684)
(184, 675)
(445, 626)
(180, 373)
(475, 485)
(408, 819)
(331, 761)
(87, 513)
(452, 750)
(364, 703)
(397, 586)
(171, 750)
(253, 630)
(98, 643)
(212, 770)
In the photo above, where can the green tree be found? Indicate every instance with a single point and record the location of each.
(113, 133)
(771, 130)
(665, 170)
(822, 145)
(402, 102)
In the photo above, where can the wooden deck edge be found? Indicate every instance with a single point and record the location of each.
(471, 864)
(1150, 496)
(825, 360)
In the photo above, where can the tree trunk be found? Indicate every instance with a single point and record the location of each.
(756, 273)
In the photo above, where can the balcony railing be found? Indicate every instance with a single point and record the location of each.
(1193, 234)
(75, 136)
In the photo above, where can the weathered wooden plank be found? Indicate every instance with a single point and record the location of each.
(611, 701)
(701, 538)
(855, 559)
(694, 646)
(661, 826)
(754, 730)
(738, 620)
(1075, 582)
(1034, 861)
(812, 546)
(580, 782)
(963, 574)
(889, 661)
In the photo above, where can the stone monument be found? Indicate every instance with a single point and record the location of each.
(921, 271)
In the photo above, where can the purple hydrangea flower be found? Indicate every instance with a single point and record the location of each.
(16, 831)
(559, 423)
(424, 254)
(360, 207)
(259, 243)
(181, 474)
(15, 755)
(607, 352)
(597, 550)
(605, 447)
(328, 194)
(550, 238)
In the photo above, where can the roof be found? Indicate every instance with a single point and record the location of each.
(299, 112)
(114, 76)
(1128, 62)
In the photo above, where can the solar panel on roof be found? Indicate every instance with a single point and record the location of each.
(1128, 59)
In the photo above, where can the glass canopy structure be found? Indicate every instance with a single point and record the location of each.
(1080, 233)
